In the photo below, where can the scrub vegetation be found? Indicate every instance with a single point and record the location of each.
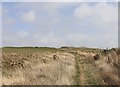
(60, 66)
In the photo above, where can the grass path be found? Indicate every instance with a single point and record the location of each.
(86, 73)
(78, 73)
(91, 76)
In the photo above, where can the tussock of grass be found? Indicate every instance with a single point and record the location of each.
(39, 67)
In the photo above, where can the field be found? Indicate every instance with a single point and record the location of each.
(60, 66)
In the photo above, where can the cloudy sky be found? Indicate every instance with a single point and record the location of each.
(56, 24)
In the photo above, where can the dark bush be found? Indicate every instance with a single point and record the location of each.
(96, 56)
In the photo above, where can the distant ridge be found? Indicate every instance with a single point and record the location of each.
(27, 47)
(72, 47)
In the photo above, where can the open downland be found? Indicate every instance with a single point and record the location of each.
(51, 66)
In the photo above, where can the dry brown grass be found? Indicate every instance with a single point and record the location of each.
(0, 67)
(38, 68)
(107, 67)
(46, 66)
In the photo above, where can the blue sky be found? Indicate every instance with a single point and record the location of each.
(56, 24)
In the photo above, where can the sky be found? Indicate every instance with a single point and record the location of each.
(56, 24)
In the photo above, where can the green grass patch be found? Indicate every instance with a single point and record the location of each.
(77, 68)
(29, 49)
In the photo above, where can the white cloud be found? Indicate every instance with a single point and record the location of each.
(106, 12)
(99, 19)
(100, 11)
(83, 11)
(92, 40)
(104, 18)
(29, 16)
(50, 39)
